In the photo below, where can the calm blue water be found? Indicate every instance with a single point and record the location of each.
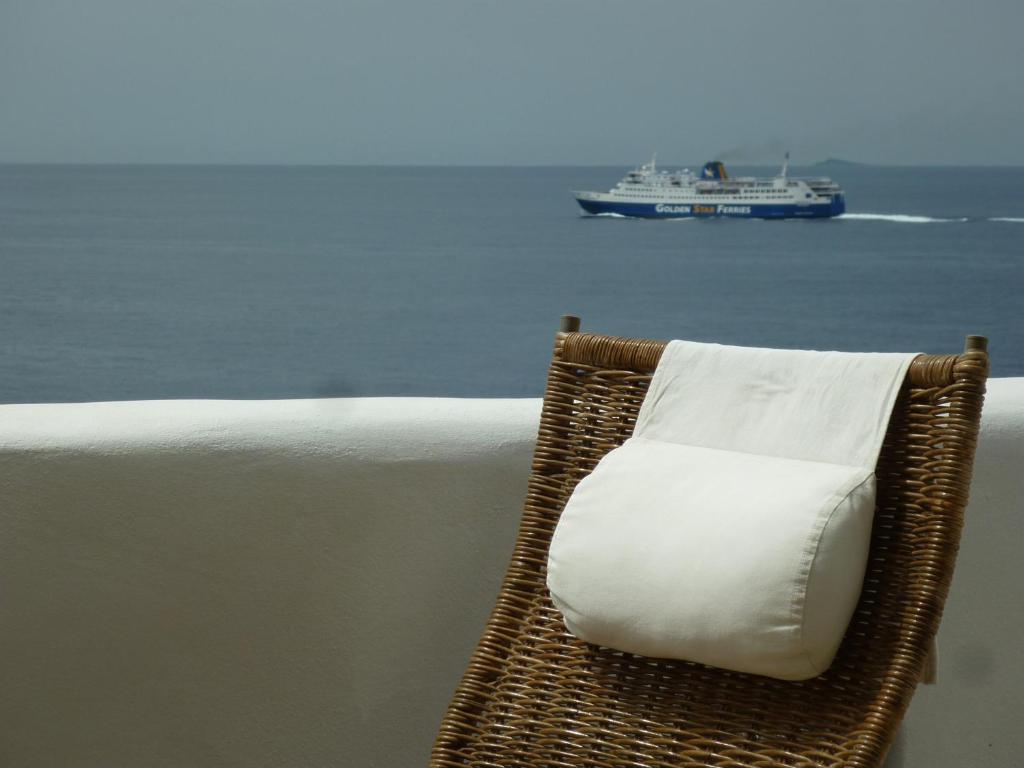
(155, 282)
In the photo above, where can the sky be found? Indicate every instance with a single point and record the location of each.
(511, 82)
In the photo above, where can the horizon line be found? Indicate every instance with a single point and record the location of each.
(221, 164)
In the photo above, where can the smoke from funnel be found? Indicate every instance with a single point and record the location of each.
(753, 153)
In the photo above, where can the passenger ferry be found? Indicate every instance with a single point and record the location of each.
(649, 193)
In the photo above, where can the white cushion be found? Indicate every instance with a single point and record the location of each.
(731, 557)
(739, 581)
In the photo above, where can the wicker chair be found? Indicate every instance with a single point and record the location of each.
(535, 696)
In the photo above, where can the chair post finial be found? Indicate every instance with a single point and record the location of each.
(976, 344)
(569, 324)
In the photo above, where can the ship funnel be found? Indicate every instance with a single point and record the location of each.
(785, 166)
(714, 170)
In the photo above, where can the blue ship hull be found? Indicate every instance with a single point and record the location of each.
(715, 211)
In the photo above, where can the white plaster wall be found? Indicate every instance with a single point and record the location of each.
(300, 582)
(293, 583)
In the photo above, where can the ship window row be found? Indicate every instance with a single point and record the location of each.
(743, 196)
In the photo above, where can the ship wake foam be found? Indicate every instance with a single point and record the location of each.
(1011, 219)
(901, 218)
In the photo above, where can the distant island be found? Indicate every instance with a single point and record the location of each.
(835, 161)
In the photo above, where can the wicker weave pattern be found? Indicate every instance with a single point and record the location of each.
(535, 696)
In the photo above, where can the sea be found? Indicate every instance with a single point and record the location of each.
(143, 282)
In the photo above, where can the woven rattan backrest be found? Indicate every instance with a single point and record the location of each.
(535, 696)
